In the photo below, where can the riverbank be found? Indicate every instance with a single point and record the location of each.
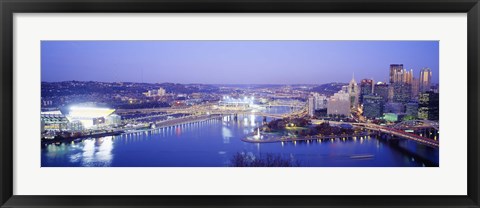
(60, 139)
(277, 138)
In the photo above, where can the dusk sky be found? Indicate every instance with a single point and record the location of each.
(233, 62)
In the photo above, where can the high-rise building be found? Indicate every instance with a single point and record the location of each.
(425, 79)
(381, 89)
(311, 106)
(373, 106)
(366, 88)
(401, 92)
(409, 76)
(394, 70)
(353, 92)
(428, 106)
(339, 104)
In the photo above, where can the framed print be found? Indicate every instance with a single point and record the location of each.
(260, 103)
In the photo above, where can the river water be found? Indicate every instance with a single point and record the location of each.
(212, 143)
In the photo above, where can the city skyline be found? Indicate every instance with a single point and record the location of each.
(247, 62)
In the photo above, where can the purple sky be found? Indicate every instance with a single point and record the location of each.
(233, 62)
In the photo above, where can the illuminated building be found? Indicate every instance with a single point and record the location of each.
(339, 104)
(88, 116)
(394, 70)
(353, 93)
(311, 106)
(425, 79)
(53, 121)
(373, 106)
(366, 88)
(428, 106)
(229, 102)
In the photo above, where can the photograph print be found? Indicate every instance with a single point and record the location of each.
(239, 103)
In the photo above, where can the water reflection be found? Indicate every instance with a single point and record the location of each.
(212, 143)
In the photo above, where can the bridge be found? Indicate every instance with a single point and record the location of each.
(416, 124)
(392, 131)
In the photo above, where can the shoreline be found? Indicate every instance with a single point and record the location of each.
(277, 139)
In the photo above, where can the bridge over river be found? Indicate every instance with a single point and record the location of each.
(392, 131)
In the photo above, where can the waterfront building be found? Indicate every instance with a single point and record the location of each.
(366, 88)
(373, 106)
(394, 107)
(411, 109)
(353, 92)
(428, 106)
(236, 103)
(88, 116)
(381, 89)
(425, 79)
(53, 121)
(339, 104)
(394, 70)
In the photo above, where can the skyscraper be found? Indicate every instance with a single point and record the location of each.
(311, 106)
(353, 92)
(394, 70)
(366, 88)
(425, 79)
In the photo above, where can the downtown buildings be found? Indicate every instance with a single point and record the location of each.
(404, 97)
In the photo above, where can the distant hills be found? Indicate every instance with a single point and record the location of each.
(328, 89)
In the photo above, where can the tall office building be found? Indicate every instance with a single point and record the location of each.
(428, 106)
(339, 104)
(353, 92)
(311, 106)
(366, 88)
(394, 70)
(381, 89)
(373, 106)
(425, 79)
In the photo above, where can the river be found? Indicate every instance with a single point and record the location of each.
(212, 143)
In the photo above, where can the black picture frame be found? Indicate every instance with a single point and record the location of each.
(9, 7)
